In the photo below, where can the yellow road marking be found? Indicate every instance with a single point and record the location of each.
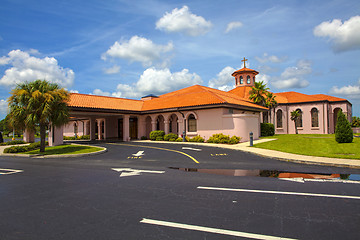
(165, 149)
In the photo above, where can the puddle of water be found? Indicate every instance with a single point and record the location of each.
(272, 174)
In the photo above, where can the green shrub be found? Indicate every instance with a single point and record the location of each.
(355, 122)
(234, 140)
(26, 148)
(179, 139)
(197, 139)
(343, 131)
(224, 139)
(159, 138)
(167, 137)
(14, 142)
(68, 138)
(172, 139)
(143, 138)
(267, 129)
(155, 134)
(84, 137)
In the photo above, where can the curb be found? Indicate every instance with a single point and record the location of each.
(104, 149)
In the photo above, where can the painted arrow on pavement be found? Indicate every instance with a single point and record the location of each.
(138, 154)
(127, 172)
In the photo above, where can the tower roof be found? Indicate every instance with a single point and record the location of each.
(244, 70)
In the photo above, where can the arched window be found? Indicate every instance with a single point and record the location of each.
(248, 80)
(241, 80)
(75, 128)
(192, 123)
(299, 122)
(279, 123)
(314, 117)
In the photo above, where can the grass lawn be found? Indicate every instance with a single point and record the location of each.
(321, 145)
(66, 149)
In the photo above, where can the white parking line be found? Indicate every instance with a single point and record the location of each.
(4, 171)
(279, 192)
(211, 230)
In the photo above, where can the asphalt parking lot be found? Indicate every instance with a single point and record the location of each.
(164, 191)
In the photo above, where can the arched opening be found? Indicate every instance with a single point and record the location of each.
(279, 123)
(299, 122)
(160, 125)
(173, 124)
(75, 129)
(314, 117)
(248, 81)
(241, 80)
(192, 125)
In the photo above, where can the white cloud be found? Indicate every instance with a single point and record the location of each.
(3, 107)
(114, 69)
(182, 20)
(352, 92)
(262, 78)
(28, 68)
(233, 25)
(293, 77)
(74, 91)
(271, 58)
(138, 49)
(344, 36)
(154, 81)
(223, 81)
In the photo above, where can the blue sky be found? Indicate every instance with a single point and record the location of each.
(134, 48)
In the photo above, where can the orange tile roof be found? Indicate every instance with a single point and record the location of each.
(294, 97)
(191, 96)
(196, 96)
(243, 92)
(327, 97)
(102, 102)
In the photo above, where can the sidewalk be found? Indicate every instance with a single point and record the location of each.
(289, 157)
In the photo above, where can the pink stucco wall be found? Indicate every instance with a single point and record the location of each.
(325, 117)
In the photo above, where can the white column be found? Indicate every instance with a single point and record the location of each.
(92, 128)
(99, 129)
(153, 125)
(126, 128)
(55, 136)
(29, 136)
(166, 127)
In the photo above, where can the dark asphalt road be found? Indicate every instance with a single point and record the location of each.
(83, 198)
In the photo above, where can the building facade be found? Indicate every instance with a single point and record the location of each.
(198, 110)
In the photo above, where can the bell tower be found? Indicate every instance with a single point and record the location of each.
(245, 76)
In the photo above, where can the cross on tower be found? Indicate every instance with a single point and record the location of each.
(244, 60)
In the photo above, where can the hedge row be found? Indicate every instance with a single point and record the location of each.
(84, 137)
(26, 148)
(14, 142)
(216, 138)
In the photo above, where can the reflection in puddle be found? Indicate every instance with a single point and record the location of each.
(272, 174)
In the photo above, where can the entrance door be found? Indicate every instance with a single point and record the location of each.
(133, 128)
(120, 128)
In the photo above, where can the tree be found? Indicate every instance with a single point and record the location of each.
(270, 102)
(295, 115)
(258, 93)
(343, 131)
(38, 103)
(355, 122)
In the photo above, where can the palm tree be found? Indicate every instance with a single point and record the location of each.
(270, 102)
(38, 103)
(295, 115)
(258, 93)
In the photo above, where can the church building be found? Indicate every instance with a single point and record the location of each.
(198, 110)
